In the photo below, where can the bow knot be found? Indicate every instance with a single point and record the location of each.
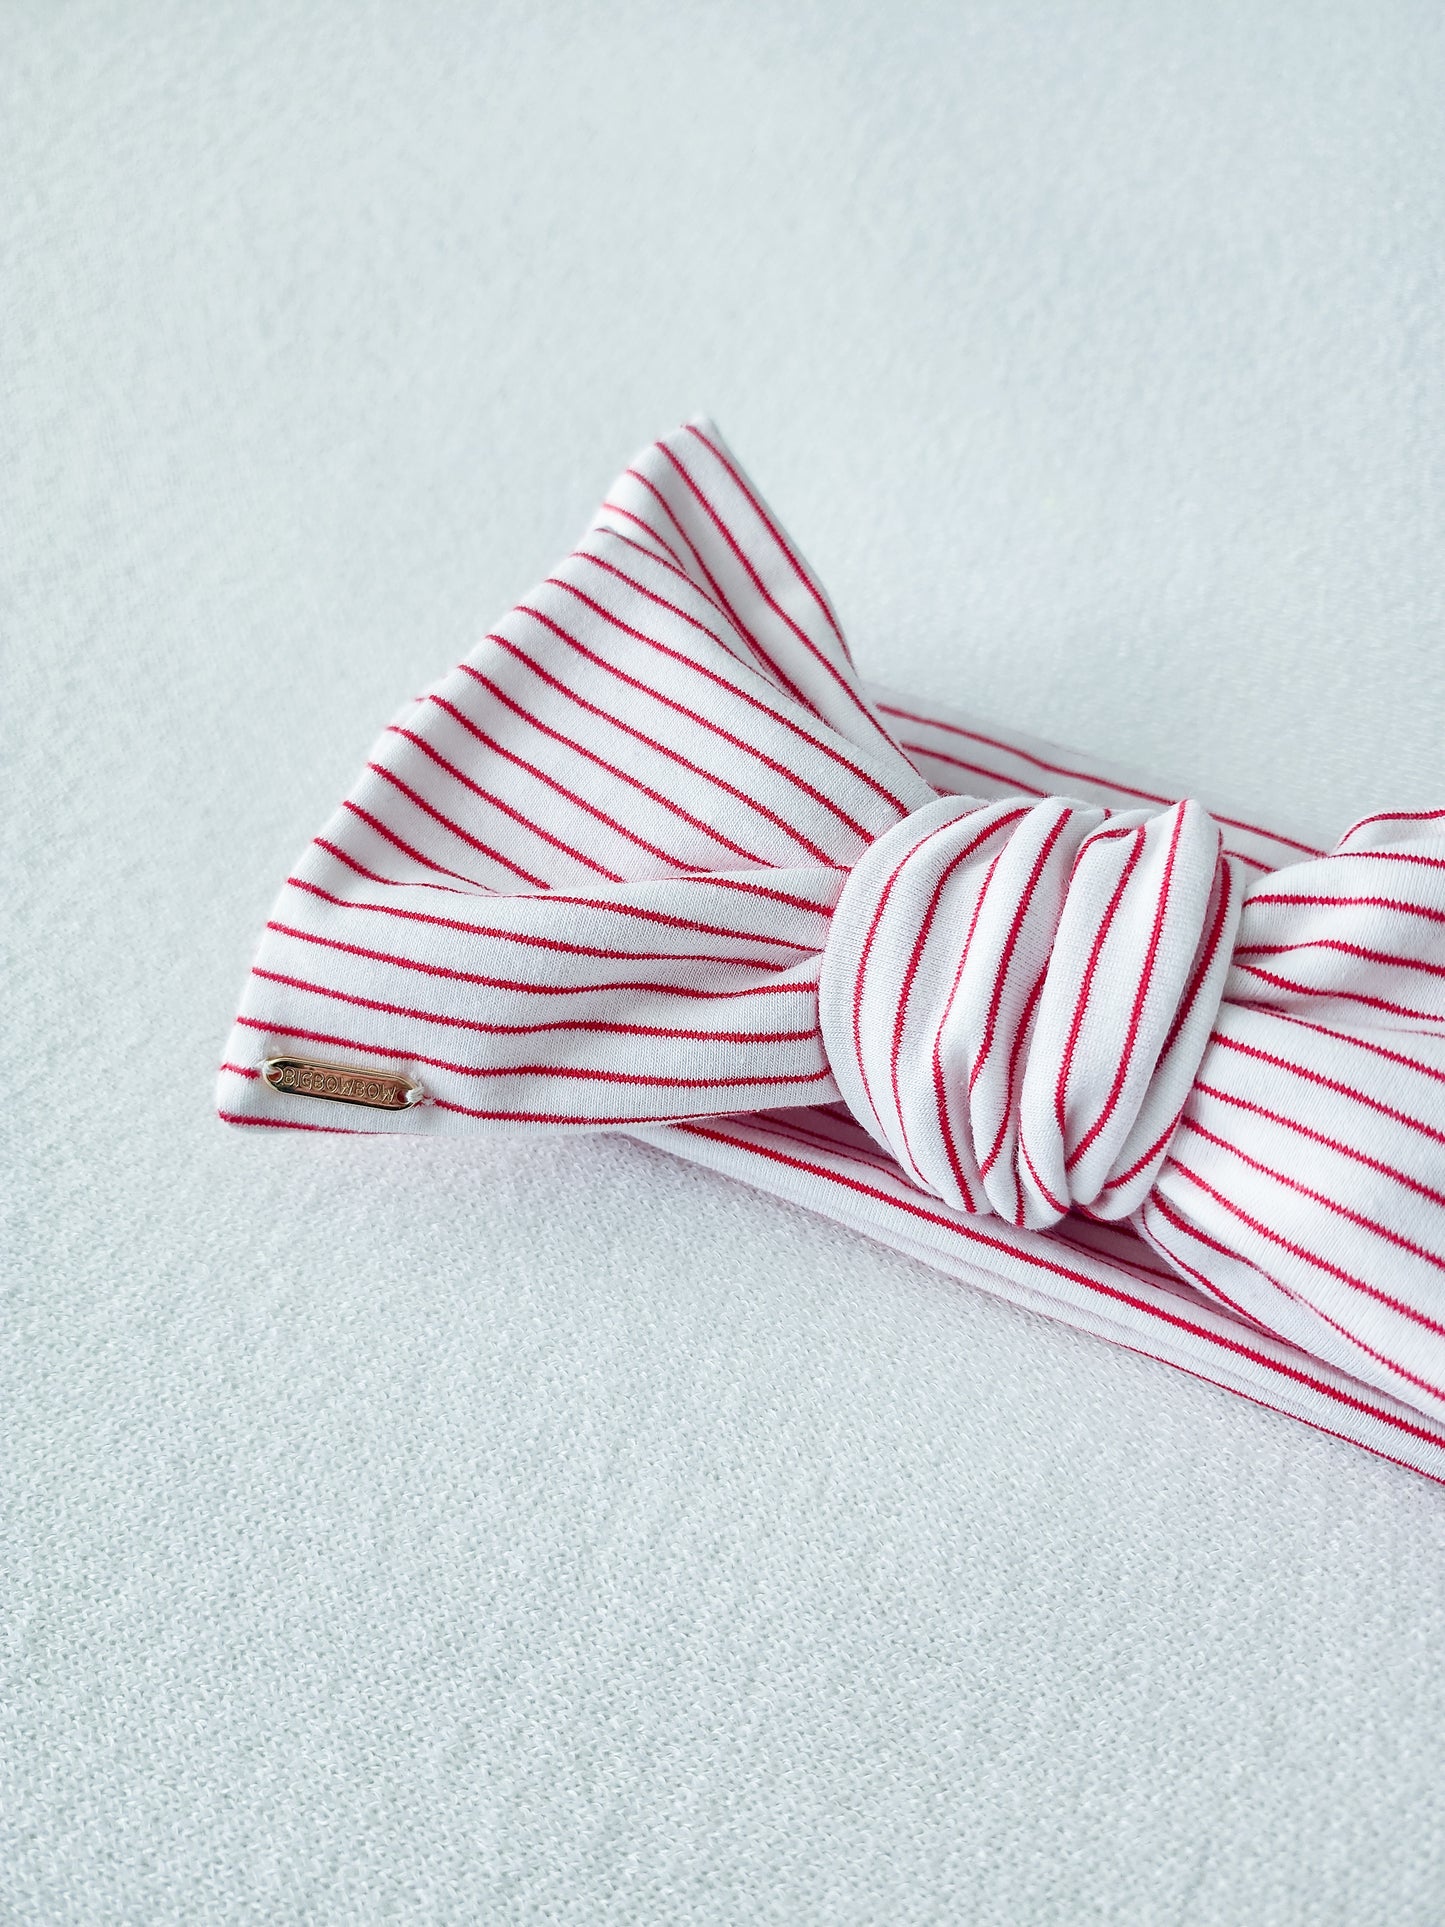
(1015, 998)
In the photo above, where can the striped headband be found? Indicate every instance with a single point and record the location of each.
(653, 859)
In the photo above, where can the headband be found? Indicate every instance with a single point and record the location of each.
(652, 859)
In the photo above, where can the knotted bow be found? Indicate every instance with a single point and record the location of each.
(651, 854)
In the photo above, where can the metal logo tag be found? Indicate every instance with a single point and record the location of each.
(341, 1083)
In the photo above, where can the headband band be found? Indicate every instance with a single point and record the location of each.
(652, 859)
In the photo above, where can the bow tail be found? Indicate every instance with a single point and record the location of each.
(584, 879)
(1305, 1187)
(540, 1011)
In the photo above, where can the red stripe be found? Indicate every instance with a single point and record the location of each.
(1196, 981)
(1083, 776)
(1348, 1037)
(1021, 1032)
(1136, 1015)
(1208, 1285)
(1388, 856)
(1322, 1137)
(392, 883)
(600, 529)
(1055, 1204)
(1393, 816)
(555, 945)
(1154, 1149)
(1020, 912)
(580, 1121)
(1254, 862)
(615, 508)
(541, 990)
(940, 1094)
(909, 975)
(865, 953)
(286, 1124)
(1337, 1084)
(1333, 995)
(793, 1132)
(640, 548)
(1086, 985)
(240, 1070)
(777, 534)
(1136, 1260)
(670, 921)
(718, 882)
(1389, 957)
(1222, 882)
(1010, 784)
(632, 911)
(1283, 1411)
(1352, 903)
(584, 554)
(746, 663)
(820, 797)
(390, 836)
(389, 776)
(599, 1026)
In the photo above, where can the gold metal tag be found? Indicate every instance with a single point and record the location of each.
(342, 1083)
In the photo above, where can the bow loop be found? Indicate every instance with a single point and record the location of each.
(1306, 1184)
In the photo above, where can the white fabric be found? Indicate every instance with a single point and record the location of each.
(480, 1531)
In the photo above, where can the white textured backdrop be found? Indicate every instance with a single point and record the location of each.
(429, 1531)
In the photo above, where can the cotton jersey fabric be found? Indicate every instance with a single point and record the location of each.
(653, 859)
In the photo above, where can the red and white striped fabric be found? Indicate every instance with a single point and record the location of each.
(652, 859)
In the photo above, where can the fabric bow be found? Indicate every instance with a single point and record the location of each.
(652, 854)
